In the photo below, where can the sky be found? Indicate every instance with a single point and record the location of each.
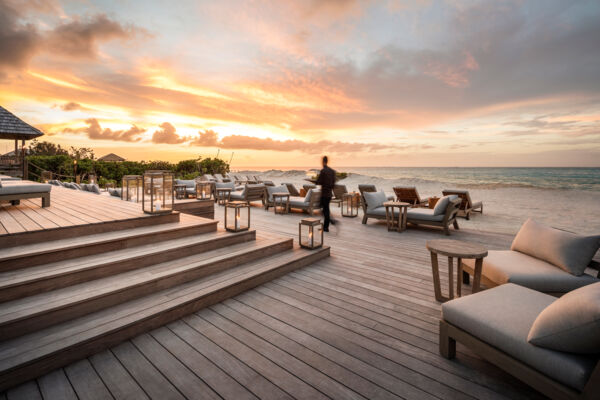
(277, 84)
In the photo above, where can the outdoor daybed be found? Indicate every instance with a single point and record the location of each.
(542, 258)
(308, 203)
(551, 344)
(15, 191)
(467, 205)
(251, 192)
(270, 190)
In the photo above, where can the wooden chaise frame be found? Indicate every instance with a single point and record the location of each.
(466, 206)
(409, 195)
(15, 198)
(450, 334)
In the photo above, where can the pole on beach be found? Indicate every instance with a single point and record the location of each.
(231, 159)
(218, 151)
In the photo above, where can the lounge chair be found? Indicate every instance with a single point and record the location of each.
(266, 182)
(442, 215)
(250, 179)
(541, 340)
(308, 186)
(250, 193)
(467, 206)
(190, 186)
(209, 177)
(543, 259)
(338, 192)
(308, 203)
(292, 189)
(270, 190)
(369, 189)
(15, 191)
(221, 178)
(409, 194)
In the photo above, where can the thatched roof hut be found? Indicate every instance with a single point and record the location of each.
(111, 157)
(12, 127)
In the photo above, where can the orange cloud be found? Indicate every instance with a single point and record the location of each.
(95, 131)
(167, 135)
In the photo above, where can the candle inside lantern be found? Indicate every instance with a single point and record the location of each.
(203, 194)
(237, 218)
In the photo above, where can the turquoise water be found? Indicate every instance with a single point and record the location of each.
(546, 178)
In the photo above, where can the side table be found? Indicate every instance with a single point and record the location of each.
(396, 221)
(222, 195)
(281, 203)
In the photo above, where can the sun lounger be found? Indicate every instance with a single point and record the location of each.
(409, 194)
(541, 258)
(221, 178)
(467, 206)
(504, 324)
(292, 189)
(15, 191)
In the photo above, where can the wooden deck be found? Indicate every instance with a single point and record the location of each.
(360, 324)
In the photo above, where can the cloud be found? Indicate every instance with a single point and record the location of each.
(209, 138)
(18, 42)
(95, 131)
(167, 135)
(71, 106)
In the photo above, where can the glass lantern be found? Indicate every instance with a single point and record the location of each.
(310, 233)
(204, 190)
(132, 188)
(46, 176)
(157, 192)
(237, 216)
(92, 179)
(349, 205)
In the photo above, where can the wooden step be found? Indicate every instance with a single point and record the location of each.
(32, 355)
(22, 316)
(40, 236)
(63, 249)
(24, 282)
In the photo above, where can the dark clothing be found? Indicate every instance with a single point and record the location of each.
(326, 215)
(327, 181)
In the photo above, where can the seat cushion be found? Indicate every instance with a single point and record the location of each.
(503, 316)
(276, 189)
(190, 183)
(374, 200)
(225, 185)
(571, 323)
(566, 250)
(21, 188)
(238, 195)
(380, 211)
(424, 214)
(298, 201)
(507, 266)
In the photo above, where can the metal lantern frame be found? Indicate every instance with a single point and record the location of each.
(235, 224)
(129, 184)
(204, 190)
(308, 226)
(92, 179)
(157, 192)
(350, 204)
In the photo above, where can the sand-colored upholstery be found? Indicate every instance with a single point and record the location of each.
(566, 250)
(507, 266)
(571, 323)
(503, 316)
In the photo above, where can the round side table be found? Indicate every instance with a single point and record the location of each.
(460, 250)
(396, 221)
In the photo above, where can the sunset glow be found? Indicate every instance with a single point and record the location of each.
(374, 83)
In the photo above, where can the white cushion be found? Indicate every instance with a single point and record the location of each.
(566, 250)
(571, 323)
(374, 200)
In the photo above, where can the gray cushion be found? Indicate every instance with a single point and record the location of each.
(92, 187)
(442, 204)
(502, 317)
(308, 195)
(22, 188)
(225, 185)
(507, 266)
(114, 192)
(276, 189)
(380, 211)
(566, 250)
(190, 183)
(571, 323)
(374, 200)
(424, 214)
(238, 196)
(297, 201)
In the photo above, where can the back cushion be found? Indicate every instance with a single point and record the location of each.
(571, 323)
(442, 204)
(92, 187)
(566, 250)
(276, 189)
(374, 200)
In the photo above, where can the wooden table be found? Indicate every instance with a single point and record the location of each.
(455, 249)
(394, 223)
(222, 195)
(281, 203)
(180, 191)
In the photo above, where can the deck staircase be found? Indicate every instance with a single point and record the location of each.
(64, 299)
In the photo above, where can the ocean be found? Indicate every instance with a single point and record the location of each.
(567, 198)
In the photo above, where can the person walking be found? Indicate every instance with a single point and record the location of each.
(326, 180)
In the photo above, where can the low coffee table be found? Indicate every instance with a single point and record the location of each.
(222, 195)
(396, 223)
(281, 203)
(461, 250)
(180, 191)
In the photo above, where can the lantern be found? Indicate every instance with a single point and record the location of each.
(203, 190)
(310, 233)
(349, 205)
(46, 176)
(132, 188)
(237, 216)
(92, 179)
(157, 193)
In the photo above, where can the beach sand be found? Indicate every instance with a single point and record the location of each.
(505, 208)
